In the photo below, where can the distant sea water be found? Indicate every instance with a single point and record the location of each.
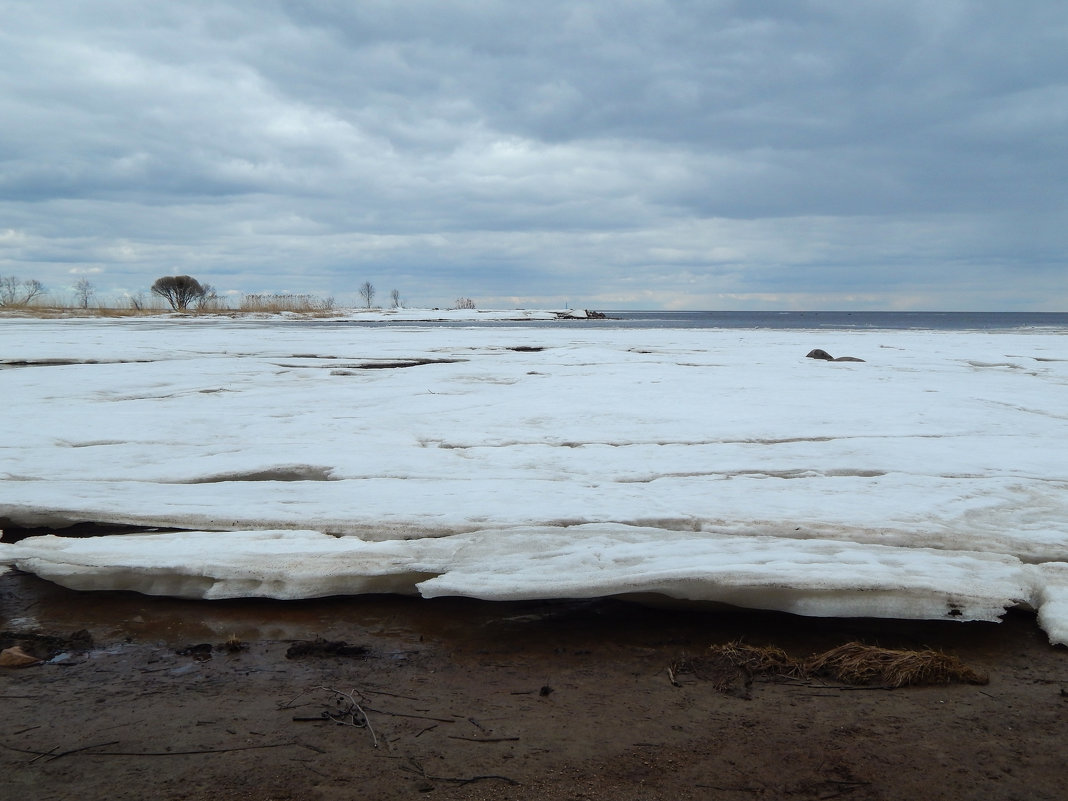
(841, 320)
(832, 320)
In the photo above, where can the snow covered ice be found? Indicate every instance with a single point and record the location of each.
(508, 461)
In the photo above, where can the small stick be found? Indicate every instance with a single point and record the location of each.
(46, 753)
(406, 715)
(474, 779)
(419, 769)
(83, 748)
(358, 708)
(392, 695)
(289, 704)
(178, 753)
(484, 739)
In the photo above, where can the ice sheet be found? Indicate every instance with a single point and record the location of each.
(722, 462)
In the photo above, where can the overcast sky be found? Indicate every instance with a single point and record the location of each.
(697, 154)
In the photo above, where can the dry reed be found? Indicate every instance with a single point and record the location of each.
(852, 663)
(856, 663)
(273, 304)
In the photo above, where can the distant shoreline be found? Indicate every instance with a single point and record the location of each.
(339, 315)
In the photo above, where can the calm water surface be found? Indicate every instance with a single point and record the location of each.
(899, 321)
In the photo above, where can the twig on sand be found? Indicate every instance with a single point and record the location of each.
(353, 715)
(85, 751)
(671, 676)
(415, 767)
(51, 752)
(730, 789)
(193, 751)
(483, 739)
(846, 787)
(289, 704)
(409, 715)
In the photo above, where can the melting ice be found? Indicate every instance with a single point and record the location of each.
(516, 462)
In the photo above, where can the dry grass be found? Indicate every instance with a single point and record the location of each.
(759, 661)
(274, 304)
(61, 312)
(855, 663)
(852, 663)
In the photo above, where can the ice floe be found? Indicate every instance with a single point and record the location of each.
(524, 461)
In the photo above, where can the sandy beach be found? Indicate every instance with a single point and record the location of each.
(537, 700)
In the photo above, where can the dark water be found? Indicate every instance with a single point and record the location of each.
(835, 320)
(28, 603)
(937, 321)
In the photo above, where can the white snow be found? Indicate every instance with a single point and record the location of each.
(506, 461)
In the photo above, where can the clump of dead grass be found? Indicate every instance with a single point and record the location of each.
(852, 663)
(856, 663)
(760, 660)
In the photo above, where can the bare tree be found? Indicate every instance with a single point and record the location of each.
(367, 292)
(395, 299)
(14, 292)
(178, 290)
(209, 300)
(464, 303)
(83, 291)
(31, 288)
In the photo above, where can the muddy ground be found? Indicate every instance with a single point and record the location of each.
(472, 700)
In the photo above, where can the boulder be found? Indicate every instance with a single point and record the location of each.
(819, 353)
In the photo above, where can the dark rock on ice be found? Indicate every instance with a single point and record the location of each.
(819, 353)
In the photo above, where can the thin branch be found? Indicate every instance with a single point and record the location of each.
(484, 739)
(358, 722)
(419, 769)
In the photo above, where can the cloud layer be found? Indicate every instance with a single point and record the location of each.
(636, 154)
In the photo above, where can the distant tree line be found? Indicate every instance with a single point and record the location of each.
(184, 293)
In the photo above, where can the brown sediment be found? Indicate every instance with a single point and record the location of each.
(461, 699)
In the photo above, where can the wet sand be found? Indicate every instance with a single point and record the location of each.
(473, 700)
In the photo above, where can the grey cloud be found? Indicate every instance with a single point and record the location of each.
(553, 147)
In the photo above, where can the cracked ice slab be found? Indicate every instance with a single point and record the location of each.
(943, 442)
(810, 577)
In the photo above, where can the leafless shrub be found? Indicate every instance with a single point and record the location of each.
(14, 292)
